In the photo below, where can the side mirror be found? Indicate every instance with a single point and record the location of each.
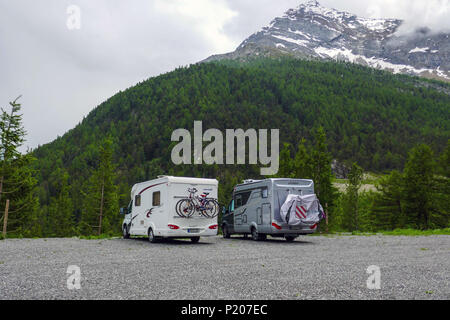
(123, 211)
(224, 210)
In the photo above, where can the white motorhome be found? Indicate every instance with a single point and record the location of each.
(172, 207)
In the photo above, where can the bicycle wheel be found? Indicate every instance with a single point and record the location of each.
(211, 208)
(177, 208)
(185, 208)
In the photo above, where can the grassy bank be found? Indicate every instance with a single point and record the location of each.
(396, 232)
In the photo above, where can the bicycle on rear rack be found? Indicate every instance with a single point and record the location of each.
(207, 207)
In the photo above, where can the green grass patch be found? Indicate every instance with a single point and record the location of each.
(414, 232)
(396, 232)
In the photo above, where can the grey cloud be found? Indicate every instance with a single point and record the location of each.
(64, 74)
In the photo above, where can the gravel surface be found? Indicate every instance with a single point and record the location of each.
(312, 267)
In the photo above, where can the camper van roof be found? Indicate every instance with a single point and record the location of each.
(177, 180)
(251, 181)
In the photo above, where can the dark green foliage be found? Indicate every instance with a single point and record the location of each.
(387, 209)
(416, 198)
(12, 133)
(17, 181)
(60, 219)
(320, 165)
(351, 198)
(418, 187)
(444, 162)
(286, 164)
(101, 198)
(302, 161)
(369, 116)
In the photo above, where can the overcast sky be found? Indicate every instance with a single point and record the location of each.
(64, 73)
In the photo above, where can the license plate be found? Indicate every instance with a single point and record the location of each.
(193, 230)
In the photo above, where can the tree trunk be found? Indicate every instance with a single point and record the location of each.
(101, 210)
(5, 219)
(326, 217)
(1, 186)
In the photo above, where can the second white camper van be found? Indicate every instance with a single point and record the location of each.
(172, 207)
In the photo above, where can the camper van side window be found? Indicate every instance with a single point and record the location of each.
(156, 199)
(241, 199)
(137, 200)
(264, 192)
(238, 201)
(256, 194)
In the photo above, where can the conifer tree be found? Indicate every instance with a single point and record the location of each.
(441, 209)
(101, 205)
(12, 135)
(286, 165)
(350, 204)
(419, 182)
(17, 181)
(444, 161)
(60, 211)
(321, 168)
(387, 208)
(302, 162)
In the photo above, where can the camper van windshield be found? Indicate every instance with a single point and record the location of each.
(130, 206)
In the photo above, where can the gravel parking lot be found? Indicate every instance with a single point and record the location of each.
(312, 267)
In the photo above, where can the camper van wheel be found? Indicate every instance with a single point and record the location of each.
(126, 233)
(290, 238)
(256, 236)
(195, 239)
(151, 236)
(225, 232)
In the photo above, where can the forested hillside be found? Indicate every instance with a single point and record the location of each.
(370, 117)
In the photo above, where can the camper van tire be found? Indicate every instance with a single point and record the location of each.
(257, 236)
(195, 239)
(225, 232)
(290, 238)
(125, 232)
(151, 236)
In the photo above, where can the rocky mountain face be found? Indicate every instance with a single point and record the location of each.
(312, 31)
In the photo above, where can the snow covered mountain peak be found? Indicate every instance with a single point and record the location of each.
(312, 31)
(315, 7)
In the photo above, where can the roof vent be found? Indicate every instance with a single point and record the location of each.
(250, 181)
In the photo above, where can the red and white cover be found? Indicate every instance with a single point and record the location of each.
(301, 210)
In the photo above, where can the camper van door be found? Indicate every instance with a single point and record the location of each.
(137, 224)
(155, 215)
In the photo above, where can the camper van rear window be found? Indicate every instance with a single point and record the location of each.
(137, 200)
(156, 198)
